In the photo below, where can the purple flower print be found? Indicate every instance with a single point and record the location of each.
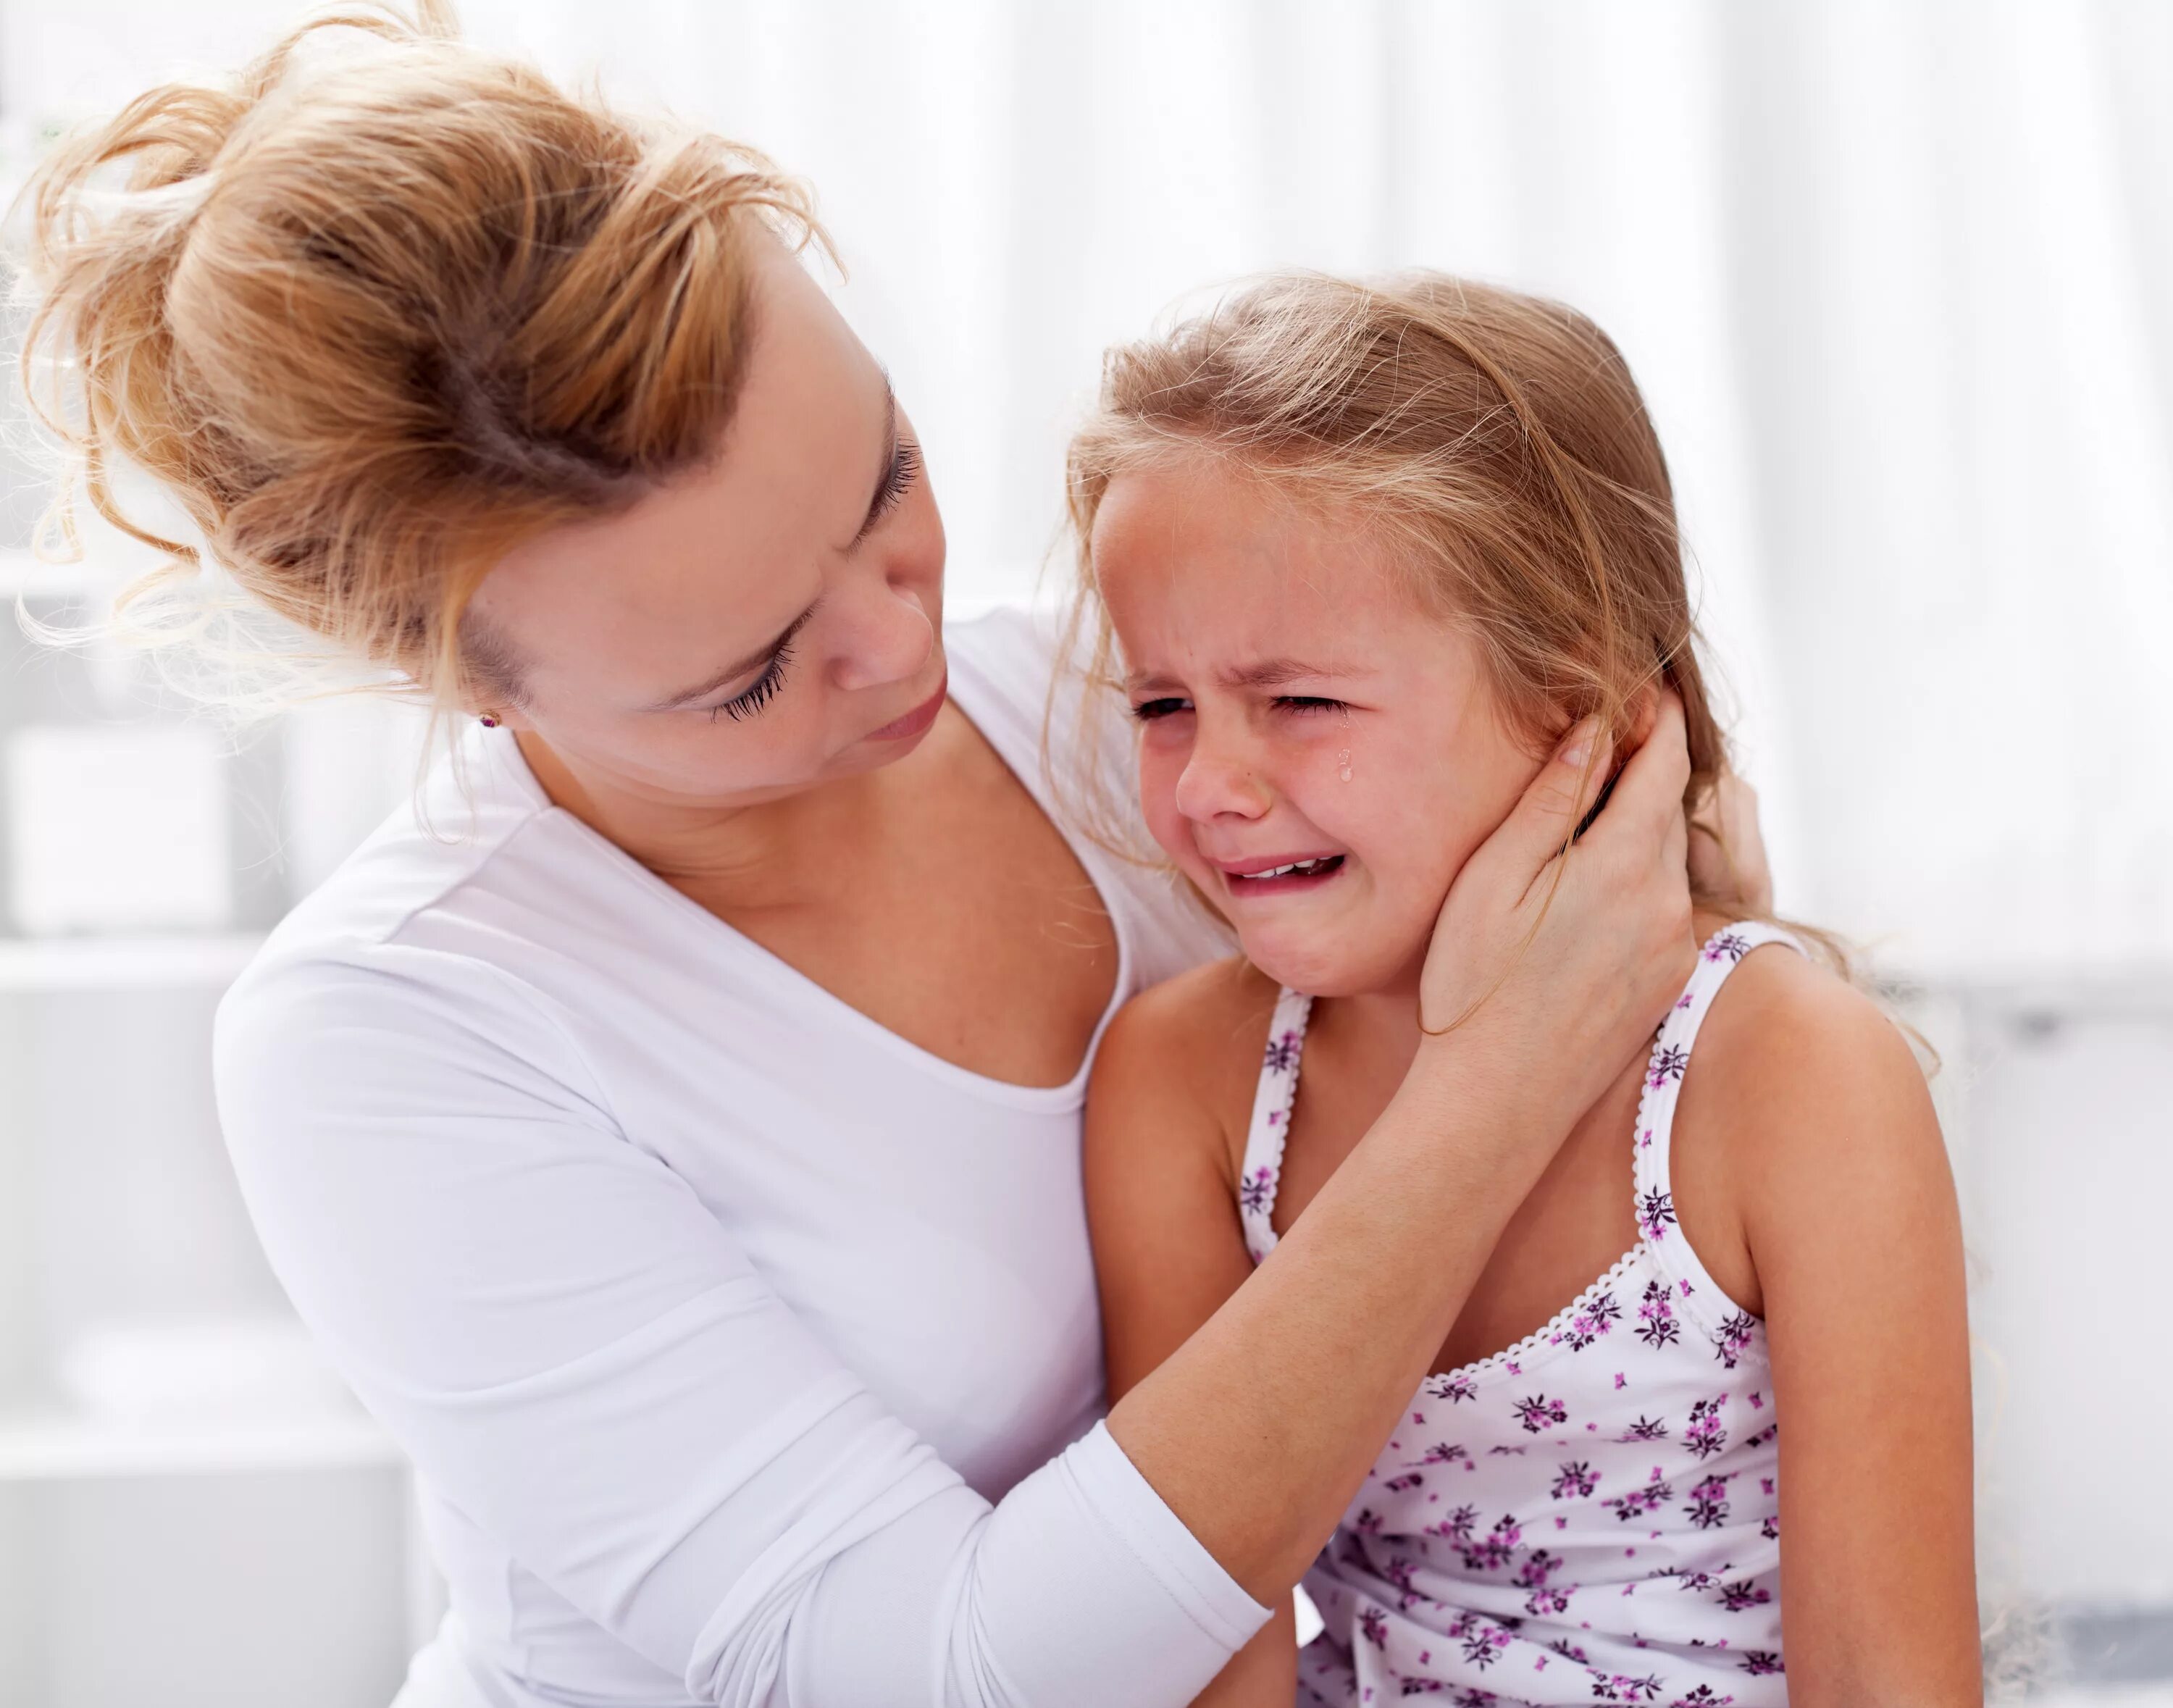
(1704, 1436)
(1728, 946)
(1668, 1062)
(1373, 1626)
(1763, 1435)
(1644, 1428)
(1762, 1663)
(1476, 1698)
(1458, 1527)
(1404, 1484)
(1703, 1697)
(1735, 1598)
(1495, 1548)
(1568, 1650)
(1708, 1504)
(1282, 1054)
(1455, 1389)
(1367, 1522)
(1257, 1190)
(1656, 1317)
(1769, 1527)
(1656, 1210)
(1545, 1598)
(1577, 1478)
(1536, 1413)
(1638, 1502)
(1484, 1646)
(1445, 1453)
(1621, 1688)
(1735, 1337)
(1398, 1571)
(1587, 1325)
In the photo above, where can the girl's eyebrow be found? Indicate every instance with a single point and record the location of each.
(1267, 673)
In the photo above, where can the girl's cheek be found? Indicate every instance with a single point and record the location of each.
(1159, 768)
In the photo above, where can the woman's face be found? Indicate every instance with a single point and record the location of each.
(768, 622)
(1298, 708)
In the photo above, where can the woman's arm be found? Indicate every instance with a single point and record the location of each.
(581, 1359)
(1838, 1170)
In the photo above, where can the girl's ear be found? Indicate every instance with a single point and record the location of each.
(1644, 708)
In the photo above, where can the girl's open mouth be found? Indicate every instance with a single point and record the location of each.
(1282, 877)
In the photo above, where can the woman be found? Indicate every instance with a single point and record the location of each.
(670, 1126)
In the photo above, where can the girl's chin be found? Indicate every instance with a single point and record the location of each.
(1322, 967)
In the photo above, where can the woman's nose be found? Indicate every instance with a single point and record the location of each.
(886, 638)
(1219, 780)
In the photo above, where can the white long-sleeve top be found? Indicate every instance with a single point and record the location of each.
(747, 1353)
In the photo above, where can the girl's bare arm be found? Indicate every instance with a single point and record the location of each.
(1849, 1212)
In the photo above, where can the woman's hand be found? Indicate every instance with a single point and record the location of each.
(1727, 853)
(1552, 963)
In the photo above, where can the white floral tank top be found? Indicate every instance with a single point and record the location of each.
(1591, 1515)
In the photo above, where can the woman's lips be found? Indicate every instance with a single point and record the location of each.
(914, 721)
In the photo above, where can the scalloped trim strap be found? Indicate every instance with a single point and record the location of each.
(1273, 1100)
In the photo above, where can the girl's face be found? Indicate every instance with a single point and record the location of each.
(1318, 753)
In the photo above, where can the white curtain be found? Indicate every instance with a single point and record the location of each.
(1897, 278)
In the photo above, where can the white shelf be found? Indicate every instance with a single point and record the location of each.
(124, 963)
(55, 1447)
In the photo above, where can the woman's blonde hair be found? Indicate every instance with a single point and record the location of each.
(1494, 441)
(372, 317)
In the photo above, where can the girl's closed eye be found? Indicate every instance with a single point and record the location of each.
(1149, 711)
(1308, 702)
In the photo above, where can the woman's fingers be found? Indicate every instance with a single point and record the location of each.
(1727, 850)
(1539, 826)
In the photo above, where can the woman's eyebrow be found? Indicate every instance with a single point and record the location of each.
(738, 667)
(889, 458)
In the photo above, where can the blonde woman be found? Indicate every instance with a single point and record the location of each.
(670, 1125)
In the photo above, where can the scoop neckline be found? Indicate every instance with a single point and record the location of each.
(1070, 1094)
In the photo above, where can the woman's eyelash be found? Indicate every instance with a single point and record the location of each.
(746, 703)
(897, 479)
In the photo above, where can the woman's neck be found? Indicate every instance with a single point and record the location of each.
(734, 856)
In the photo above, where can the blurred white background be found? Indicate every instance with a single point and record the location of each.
(1897, 278)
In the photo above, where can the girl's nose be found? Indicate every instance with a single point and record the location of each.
(1218, 782)
(885, 639)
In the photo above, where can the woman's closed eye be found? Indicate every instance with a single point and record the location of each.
(903, 469)
(753, 698)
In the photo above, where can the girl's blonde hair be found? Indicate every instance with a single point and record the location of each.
(1494, 441)
(371, 317)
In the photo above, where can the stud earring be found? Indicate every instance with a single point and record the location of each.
(489, 720)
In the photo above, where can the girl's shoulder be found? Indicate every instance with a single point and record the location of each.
(1799, 1083)
(1192, 1043)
